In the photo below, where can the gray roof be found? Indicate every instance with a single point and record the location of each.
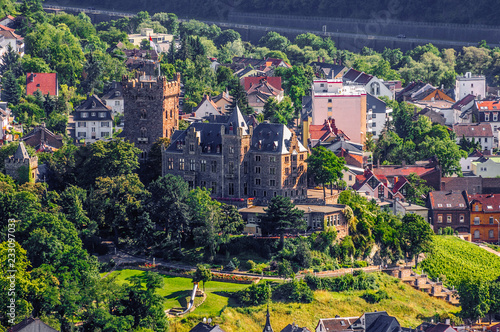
(202, 327)
(115, 92)
(21, 152)
(347, 146)
(237, 120)
(210, 137)
(93, 106)
(273, 137)
(374, 101)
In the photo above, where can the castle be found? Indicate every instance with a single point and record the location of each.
(21, 166)
(236, 161)
(151, 109)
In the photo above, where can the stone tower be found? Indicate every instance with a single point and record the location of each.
(151, 109)
(21, 166)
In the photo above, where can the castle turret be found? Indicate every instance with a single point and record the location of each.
(21, 166)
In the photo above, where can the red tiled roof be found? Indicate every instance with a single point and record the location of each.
(326, 130)
(46, 82)
(398, 185)
(4, 28)
(400, 170)
(490, 203)
(473, 130)
(250, 81)
(488, 105)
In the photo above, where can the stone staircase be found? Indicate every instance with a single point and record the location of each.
(424, 284)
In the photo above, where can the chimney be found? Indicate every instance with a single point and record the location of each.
(319, 59)
(323, 59)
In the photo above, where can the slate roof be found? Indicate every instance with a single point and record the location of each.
(202, 327)
(369, 319)
(383, 324)
(236, 119)
(464, 102)
(93, 106)
(294, 328)
(412, 89)
(274, 138)
(115, 92)
(21, 152)
(371, 101)
(46, 82)
(329, 69)
(210, 137)
(449, 200)
(440, 327)
(337, 146)
(473, 130)
(31, 324)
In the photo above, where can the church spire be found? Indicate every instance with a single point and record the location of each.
(268, 327)
(237, 120)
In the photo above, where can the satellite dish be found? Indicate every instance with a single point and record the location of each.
(204, 320)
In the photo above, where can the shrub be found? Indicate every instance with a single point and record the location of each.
(375, 297)
(230, 266)
(236, 262)
(361, 281)
(360, 264)
(256, 294)
(294, 291)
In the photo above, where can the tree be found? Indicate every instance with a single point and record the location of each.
(202, 274)
(281, 112)
(11, 61)
(167, 206)
(227, 36)
(281, 216)
(474, 299)
(325, 167)
(116, 204)
(274, 41)
(205, 221)
(417, 190)
(11, 90)
(416, 236)
(285, 269)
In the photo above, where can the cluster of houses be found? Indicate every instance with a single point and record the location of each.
(378, 321)
(246, 163)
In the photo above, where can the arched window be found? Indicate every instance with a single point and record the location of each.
(143, 114)
(143, 132)
(375, 88)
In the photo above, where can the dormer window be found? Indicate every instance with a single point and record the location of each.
(218, 148)
(259, 145)
(102, 114)
(117, 93)
(85, 115)
(92, 114)
(93, 104)
(143, 114)
(179, 145)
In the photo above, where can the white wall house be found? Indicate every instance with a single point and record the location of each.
(114, 98)
(470, 84)
(93, 121)
(481, 132)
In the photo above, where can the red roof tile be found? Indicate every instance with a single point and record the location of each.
(473, 130)
(46, 82)
(275, 82)
(490, 203)
(488, 105)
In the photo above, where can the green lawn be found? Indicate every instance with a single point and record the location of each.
(177, 290)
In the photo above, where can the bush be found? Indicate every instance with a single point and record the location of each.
(360, 264)
(230, 266)
(294, 291)
(375, 297)
(256, 294)
(236, 262)
(361, 281)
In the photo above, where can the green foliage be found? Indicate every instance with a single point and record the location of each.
(459, 261)
(296, 291)
(202, 274)
(375, 297)
(279, 112)
(416, 236)
(474, 298)
(325, 167)
(285, 269)
(282, 215)
(256, 294)
(359, 281)
(11, 90)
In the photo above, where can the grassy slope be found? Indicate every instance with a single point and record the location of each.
(176, 290)
(458, 260)
(406, 304)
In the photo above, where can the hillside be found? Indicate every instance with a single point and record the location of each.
(459, 260)
(408, 305)
(444, 11)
